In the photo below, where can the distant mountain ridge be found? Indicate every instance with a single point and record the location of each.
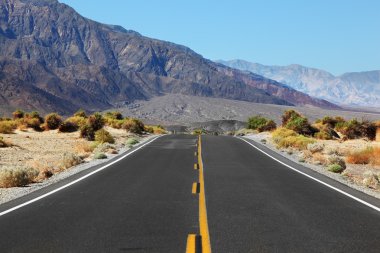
(357, 88)
(53, 59)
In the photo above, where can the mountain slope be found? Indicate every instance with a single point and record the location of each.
(70, 62)
(359, 88)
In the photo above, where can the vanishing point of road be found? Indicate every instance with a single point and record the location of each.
(184, 193)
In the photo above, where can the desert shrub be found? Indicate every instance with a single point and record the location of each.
(80, 113)
(7, 127)
(261, 124)
(52, 121)
(369, 155)
(87, 132)
(319, 158)
(68, 127)
(296, 122)
(77, 120)
(323, 135)
(370, 179)
(131, 141)
(34, 123)
(114, 115)
(334, 159)
(154, 129)
(83, 147)
(16, 177)
(331, 122)
(315, 147)
(103, 136)
(133, 126)
(299, 142)
(18, 114)
(69, 160)
(354, 129)
(100, 156)
(96, 121)
(282, 133)
(336, 168)
(114, 123)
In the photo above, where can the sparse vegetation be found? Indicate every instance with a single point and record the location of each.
(131, 141)
(7, 127)
(100, 156)
(368, 155)
(261, 124)
(286, 138)
(16, 177)
(103, 136)
(336, 168)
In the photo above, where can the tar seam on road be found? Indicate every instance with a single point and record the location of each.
(315, 179)
(203, 224)
(75, 181)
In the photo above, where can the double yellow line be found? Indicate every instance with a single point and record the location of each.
(203, 224)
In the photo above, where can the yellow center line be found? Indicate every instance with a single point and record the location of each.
(190, 247)
(203, 224)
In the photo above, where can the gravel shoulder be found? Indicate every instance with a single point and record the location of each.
(351, 178)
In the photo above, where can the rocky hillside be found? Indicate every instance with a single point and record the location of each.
(356, 89)
(53, 59)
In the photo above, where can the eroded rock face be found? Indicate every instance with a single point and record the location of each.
(51, 58)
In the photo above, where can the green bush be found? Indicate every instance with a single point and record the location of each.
(52, 121)
(261, 124)
(16, 177)
(96, 121)
(132, 141)
(87, 132)
(296, 122)
(114, 115)
(336, 168)
(100, 156)
(103, 136)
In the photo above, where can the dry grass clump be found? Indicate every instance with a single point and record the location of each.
(370, 155)
(320, 158)
(103, 136)
(16, 177)
(84, 147)
(69, 160)
(286, 138)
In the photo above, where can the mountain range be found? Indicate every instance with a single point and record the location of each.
(53, 59)
(355, 89)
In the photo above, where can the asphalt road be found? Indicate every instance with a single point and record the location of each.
(140, 204)
(144, 204)
(255, 204)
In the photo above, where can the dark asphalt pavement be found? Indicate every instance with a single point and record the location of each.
(144, 204)
(140, 204)
(255, 204)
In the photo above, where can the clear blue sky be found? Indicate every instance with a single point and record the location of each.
(336, 35)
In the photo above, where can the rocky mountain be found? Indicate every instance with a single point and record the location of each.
(356, 89)
(53, 59)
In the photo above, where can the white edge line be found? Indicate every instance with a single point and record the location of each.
(315, 179)
(75, 181)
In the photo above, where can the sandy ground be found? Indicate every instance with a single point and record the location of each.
(354, 175)
(47, 150)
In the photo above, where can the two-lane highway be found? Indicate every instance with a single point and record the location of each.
(144, 203)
